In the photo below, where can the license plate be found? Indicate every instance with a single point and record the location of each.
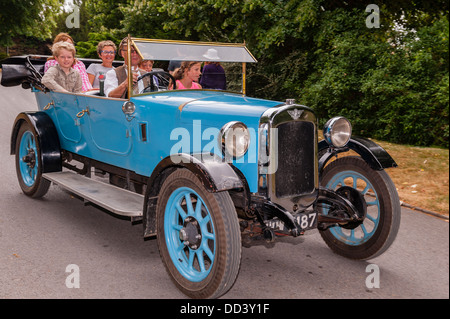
(304, 221)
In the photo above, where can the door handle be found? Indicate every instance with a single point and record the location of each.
(49, 105)
(81, 113)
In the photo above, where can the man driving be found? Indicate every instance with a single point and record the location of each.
(116, 81)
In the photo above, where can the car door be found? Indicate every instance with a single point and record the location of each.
(109, 128)
(65, 110)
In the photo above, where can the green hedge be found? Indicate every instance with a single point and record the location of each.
(392, 86)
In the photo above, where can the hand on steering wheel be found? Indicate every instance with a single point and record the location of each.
(159, 80)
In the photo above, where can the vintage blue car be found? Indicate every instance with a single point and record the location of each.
(206, 171)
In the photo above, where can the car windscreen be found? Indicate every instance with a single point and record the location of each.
(193, 51)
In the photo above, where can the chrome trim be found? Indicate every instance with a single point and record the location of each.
(129, 74)
(328, 131)
(268, 161)
(128, 107)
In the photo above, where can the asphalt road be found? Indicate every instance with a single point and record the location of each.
(41, 239)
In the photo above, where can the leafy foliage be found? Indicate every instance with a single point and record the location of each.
(33, 18)
(392, 92)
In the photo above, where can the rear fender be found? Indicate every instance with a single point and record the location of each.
(47, 135)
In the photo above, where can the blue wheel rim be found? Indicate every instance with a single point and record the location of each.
(362, 233)
(27, 148)
(184, 209)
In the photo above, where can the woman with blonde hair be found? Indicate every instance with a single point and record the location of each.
(78, 65)
(62, 77)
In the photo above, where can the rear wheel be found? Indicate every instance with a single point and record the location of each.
(29, 163)
(198, 236)
(382, 221)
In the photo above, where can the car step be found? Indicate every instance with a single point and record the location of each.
(117, 200)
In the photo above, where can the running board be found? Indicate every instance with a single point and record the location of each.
(117, 200)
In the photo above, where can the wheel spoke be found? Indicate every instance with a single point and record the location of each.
(28, 141)
(375, 202)
(208, 251)
(180, 247)
(33, 143)
(201, 261)
(364, 230)
(209, 235)
(372, 219)
(181, 211)
(198, 209)
(340, 182)
(364, 192)
(191, 260)
(352, 235)
(204, 221)
(190, 208)
(177, 227)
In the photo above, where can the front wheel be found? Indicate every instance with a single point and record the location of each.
(198, 236)
(29, 163)
(380, 226)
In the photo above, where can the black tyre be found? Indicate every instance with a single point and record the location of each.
(380, 227)
(29, 163)
(198, 236)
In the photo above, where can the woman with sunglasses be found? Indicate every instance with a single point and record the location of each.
(106, 51)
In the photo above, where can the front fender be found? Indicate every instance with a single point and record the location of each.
(214, 174)
(376, 156)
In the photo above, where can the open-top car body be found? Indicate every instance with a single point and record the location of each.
(206, 170)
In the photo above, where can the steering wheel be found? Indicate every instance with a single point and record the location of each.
(159, 81)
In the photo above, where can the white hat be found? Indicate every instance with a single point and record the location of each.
(211, 54)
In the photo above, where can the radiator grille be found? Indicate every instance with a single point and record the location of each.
(296, 169)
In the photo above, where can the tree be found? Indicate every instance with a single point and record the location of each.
(31, 18)
(105, 14)
(77, 14)
(103, 22)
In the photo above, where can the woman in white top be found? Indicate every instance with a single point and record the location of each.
(107, 52)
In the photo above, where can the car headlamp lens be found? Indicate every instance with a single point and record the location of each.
(234, 139)
(337, 131)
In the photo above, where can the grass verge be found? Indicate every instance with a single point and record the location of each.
(422, 176)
